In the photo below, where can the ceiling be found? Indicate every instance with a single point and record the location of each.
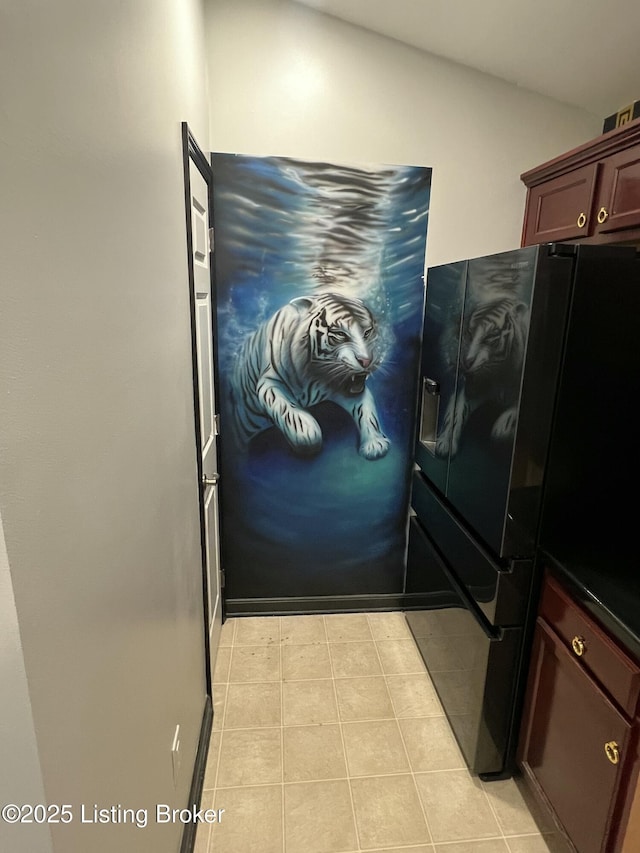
(581, 52)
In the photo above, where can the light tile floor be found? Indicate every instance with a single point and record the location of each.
(329, 738)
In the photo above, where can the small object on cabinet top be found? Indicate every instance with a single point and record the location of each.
(623, 116)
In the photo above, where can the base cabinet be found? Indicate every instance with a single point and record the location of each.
(578, 747)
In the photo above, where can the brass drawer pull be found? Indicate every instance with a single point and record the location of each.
(581, 220)
(603, 215)
(611, 749)
(579, 646)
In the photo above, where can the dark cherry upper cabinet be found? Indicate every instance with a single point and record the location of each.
(578, 747)
(620, 193)
(590, 194)
(552, 206)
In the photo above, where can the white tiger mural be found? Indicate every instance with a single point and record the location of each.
(314, 349)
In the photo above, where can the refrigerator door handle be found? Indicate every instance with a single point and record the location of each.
(493, 633)
(431, 386)
(429, 413)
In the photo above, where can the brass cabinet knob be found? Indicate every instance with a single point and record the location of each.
(603, 215)
(581, 221)
(611, 749)
(579, 646)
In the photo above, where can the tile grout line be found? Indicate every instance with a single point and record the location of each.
(491, 809)
(359, 720)
(337, 677)
(482, 788)
(344, 747)
(246, 728)
(327, 642)
(224, 714)
(226, 699)
(507, 838)
(372, 776)
(494, 813)
(386, 676)
(208, 841)
(404, 746)
(215, 778)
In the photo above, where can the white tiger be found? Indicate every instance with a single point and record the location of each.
(311, 350)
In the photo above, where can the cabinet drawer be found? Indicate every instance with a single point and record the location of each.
(618, 674)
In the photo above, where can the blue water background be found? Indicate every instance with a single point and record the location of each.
(334, 524)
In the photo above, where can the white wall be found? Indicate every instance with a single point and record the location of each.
(286, 80)
(21, 777)
(98, 486)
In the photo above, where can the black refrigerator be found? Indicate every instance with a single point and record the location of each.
(522, 351)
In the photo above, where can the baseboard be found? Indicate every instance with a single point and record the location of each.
(332, 604)
(197, 780)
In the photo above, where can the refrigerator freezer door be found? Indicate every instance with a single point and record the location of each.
(499, 590)
(474, 667)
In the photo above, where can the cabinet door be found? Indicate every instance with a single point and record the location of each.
(561, 209)
(619, 200)
(568, 723)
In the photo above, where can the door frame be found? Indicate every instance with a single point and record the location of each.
(191, 152)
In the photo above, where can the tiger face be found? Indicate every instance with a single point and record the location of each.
(342, 343)
(495, 336)
(491, 356)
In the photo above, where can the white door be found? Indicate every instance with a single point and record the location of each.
(207, 400)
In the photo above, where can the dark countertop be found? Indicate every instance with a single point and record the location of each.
(611, 594)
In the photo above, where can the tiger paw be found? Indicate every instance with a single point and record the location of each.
(447, 446)
(304, 434)
(375, 447)
(505, 425)
(443, 446)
